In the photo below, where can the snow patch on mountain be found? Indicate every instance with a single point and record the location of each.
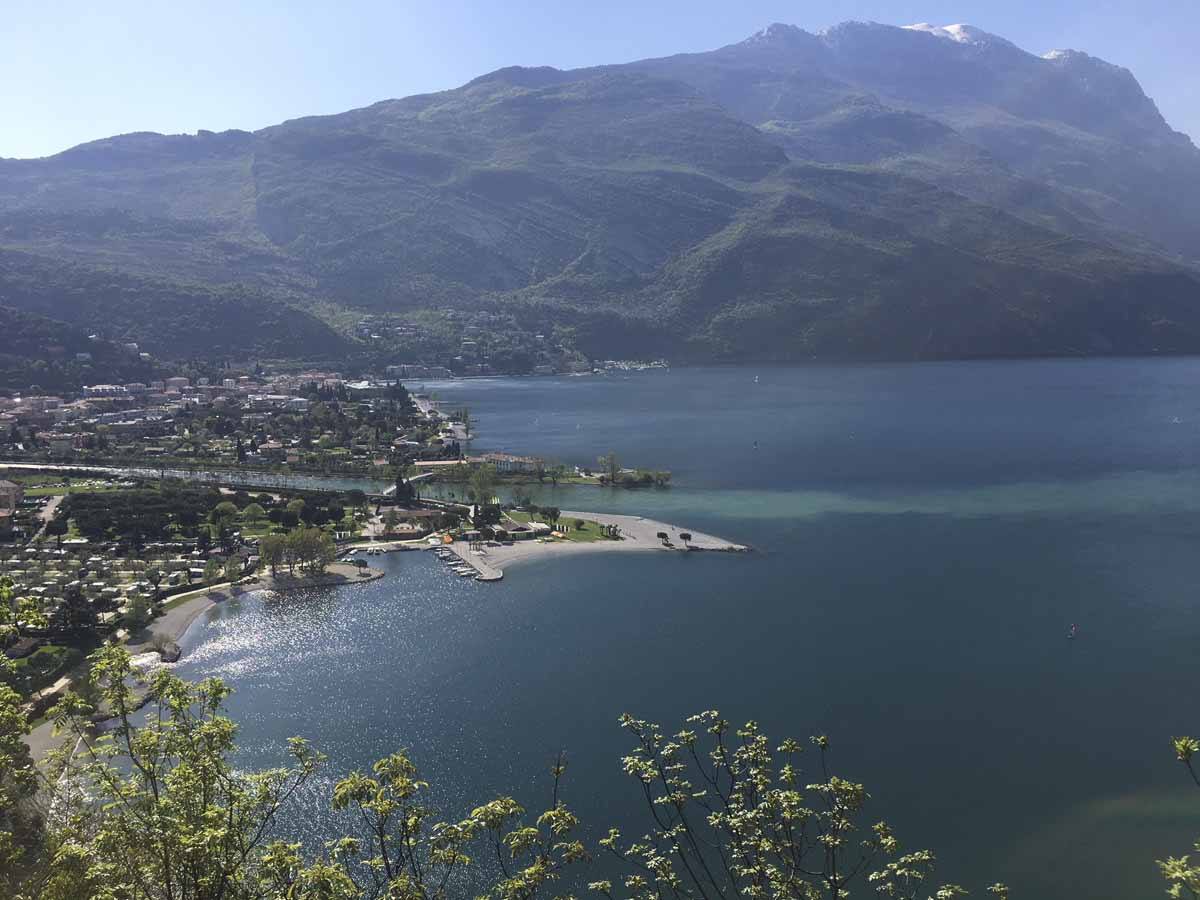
(960, 33)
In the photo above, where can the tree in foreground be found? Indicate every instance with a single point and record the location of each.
(730, 815)
(1182, 875)
(153, 809)
(171, 817)
(20, 821)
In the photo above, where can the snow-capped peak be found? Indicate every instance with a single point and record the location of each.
(776, 32)
(960, 33)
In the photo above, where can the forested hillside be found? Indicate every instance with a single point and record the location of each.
(868, 191)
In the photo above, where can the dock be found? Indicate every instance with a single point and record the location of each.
(486, 571)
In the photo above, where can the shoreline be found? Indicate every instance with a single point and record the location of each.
(638, 535)
(176, 621)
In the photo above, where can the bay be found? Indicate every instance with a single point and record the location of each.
(925, 534)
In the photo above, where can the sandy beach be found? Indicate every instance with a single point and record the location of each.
(638, 535)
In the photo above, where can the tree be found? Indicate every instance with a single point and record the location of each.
(175, 819)
(728, 813)
(391, 519)
(483, 484)
(487, 515)
(254, 513)
(685, 536)
(663, 536)
(272, 550)
(311, 548)
(18, 614)
(155, 576)
(21, 826)
(77, 614)
(404, 492)
(557, 473)
(579, 524)
(1182, 876)
(212, 571)
(179, 820)
(57, 528)
(139, 614)
(731, 813)
(224, 513)
(232, 569)
(610, 468)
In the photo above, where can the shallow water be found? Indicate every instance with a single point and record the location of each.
(926, 534)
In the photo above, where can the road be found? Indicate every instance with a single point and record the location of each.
(47, 513)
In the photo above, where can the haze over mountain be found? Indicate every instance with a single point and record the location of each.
(869, 191)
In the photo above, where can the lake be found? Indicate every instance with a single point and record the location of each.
(925, 535)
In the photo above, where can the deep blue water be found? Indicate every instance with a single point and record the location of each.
(925, 535)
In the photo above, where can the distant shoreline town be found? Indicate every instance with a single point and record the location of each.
(126, 511)
(316, 422)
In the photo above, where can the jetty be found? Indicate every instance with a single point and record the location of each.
(477, 560)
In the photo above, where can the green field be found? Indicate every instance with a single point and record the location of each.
(42, 485)
(566, 526)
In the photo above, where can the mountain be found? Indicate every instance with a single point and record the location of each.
(1064, 138)
(41, 353)
(870, 191)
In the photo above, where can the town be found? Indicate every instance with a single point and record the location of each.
(124, 507)
(308, 422)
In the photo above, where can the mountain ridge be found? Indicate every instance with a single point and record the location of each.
(685, 203)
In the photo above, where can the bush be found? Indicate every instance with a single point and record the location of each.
(44, 666)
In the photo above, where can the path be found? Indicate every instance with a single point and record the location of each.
(47, 513)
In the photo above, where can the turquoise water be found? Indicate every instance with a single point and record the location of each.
(925, 536)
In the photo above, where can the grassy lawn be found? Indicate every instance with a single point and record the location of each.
(51, 490)
(566, 526)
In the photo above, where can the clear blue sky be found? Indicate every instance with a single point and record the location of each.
(73, 71)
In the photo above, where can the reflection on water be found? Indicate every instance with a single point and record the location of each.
(928, 533)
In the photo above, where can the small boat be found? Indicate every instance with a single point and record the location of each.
(756, 379)
(1072, 631)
